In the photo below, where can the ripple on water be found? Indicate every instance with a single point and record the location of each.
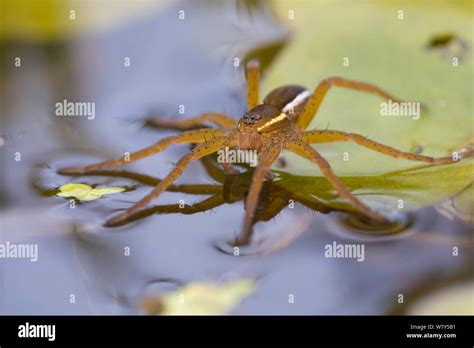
(231, 248)
(356, 226)
(149, 300)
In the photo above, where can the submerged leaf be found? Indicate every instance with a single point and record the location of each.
(402, 190)
(84, 192)
(460, 206)
(206, 298)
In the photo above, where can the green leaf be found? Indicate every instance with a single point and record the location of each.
(84, 192)
(391, 53)
(417, 187)
(206, 298)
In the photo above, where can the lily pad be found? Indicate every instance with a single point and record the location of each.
(394, 57)
(85, 192)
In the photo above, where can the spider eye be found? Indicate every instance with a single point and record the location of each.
(248, 119)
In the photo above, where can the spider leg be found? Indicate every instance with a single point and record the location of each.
(198, 152)
(188, 137)
(213, 170)
(219, 119)
(204, 205)
(198, 189)
(301, 148)
(229, 168)
(201, 206)
(253, 79)
(273, 209)
(265, 158)
(229, 143)
(311, 202)
(330, 136)
(320, 91)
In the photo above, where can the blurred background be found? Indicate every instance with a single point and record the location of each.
(135, 59)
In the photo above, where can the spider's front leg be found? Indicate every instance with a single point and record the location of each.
(265, 159)
(320, 91)
(301, 148)
(253, 80)
(198, 152)
(189, 137)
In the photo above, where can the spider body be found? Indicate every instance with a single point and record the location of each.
(279, 123)
(278, 112)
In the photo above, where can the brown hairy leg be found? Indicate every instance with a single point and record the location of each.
(229, 168)
(201, 206)
(301, 148)
(322, 136)
(253, 80)
(265, 158)
(272, 210)
(189, 137)
(312, 107)
(198, 152)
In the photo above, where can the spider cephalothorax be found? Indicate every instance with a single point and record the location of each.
(278, 111)
(279, 123)
(255, 123)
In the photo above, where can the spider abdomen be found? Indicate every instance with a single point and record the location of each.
(290, 99)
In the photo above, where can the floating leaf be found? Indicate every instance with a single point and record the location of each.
(205, 298)
(395, 57)
(85, 192)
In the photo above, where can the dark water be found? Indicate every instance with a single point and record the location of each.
(172, 64)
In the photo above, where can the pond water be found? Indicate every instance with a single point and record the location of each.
(173, 64)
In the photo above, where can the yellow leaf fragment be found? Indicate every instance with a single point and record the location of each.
(85, 192)
(206, 298)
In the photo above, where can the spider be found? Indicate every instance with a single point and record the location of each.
(278, 123)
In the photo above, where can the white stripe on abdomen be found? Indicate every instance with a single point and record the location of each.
(297, 101)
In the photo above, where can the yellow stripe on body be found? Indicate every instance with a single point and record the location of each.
(274, 120)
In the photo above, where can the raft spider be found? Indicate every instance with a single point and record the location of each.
(278, 123)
